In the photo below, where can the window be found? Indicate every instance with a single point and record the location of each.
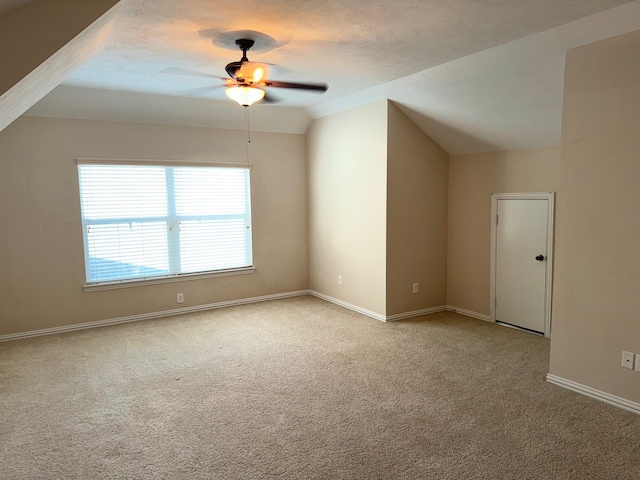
(154, 221)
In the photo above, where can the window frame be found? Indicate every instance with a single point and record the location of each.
(171, 216)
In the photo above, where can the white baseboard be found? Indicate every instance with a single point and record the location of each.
(378, 316)
(605, 397)
(242, 301)
(416, 313)
(148, 316)
(350, 306)
(469, 313)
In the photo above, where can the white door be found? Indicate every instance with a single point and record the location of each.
(522, 249)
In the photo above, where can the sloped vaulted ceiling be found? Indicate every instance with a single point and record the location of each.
(476, 75)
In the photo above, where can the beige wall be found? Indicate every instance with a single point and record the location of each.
(472, 180)
(596, 306)
(417, 178)
(347, 165)
(41, 250)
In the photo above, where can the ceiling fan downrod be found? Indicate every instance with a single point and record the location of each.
(244, 44)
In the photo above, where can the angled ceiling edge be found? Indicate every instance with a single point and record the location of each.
(68, 33)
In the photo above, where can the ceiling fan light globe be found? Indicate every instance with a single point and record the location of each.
(245, 96)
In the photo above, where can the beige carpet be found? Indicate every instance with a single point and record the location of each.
(301, 389)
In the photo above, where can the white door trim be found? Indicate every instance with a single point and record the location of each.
(494, 230)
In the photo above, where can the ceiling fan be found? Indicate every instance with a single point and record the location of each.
(247, 79)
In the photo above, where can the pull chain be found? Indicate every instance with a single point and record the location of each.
(247, 119)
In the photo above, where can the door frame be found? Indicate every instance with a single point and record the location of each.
(550, 197)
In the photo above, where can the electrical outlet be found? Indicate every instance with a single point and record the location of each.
(415, 288)
(339, 279)
(627, 360)
(180, 298)
(638, 363)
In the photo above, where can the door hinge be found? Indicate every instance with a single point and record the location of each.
(497, 217)
(495, 301)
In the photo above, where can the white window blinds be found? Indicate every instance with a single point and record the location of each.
(145, 221)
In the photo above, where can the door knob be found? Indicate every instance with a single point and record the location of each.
(540, 258)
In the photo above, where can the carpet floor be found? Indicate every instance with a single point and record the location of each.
(301, 389)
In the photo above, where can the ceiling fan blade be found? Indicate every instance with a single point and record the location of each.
(186, 72)
(269, 98)
(318, 87)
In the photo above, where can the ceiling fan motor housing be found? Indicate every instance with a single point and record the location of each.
(234, 68)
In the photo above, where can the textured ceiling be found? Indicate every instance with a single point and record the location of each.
(436, 58)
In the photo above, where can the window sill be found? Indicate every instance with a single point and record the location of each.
(97, 287)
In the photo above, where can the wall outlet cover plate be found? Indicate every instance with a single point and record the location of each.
(627, 360)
